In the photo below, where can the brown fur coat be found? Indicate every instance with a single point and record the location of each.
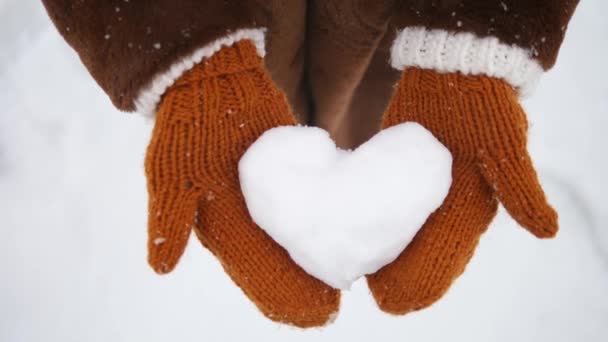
(331, 57)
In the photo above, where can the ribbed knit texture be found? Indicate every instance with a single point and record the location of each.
(481, 122)
(445, 51)
(205, 122)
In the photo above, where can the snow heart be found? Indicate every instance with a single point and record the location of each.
(343, 214)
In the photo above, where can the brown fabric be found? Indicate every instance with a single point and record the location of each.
(286, 51)
(364, 115)
(332, 41)
(117, 41)
(331, 59)
(537, 25)
(343, 37)
(349, 42)
(205, 123)
(481, 122)
(371, 96)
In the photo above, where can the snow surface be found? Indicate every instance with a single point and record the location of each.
(344, 214)
(73, 208)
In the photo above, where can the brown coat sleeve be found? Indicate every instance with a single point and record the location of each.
(124, 44)
(351, 42)
(535, 25)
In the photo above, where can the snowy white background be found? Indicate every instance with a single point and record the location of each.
(73, 219)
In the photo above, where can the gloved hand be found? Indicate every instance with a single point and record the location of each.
(204, 124)
(480, 121)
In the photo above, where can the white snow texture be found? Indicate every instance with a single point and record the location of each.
(73, 219)
(341, 214)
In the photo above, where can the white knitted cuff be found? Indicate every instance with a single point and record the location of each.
(149, 97)
(466, 53)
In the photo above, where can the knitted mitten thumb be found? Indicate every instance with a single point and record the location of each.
(480, 120)
(205, 123)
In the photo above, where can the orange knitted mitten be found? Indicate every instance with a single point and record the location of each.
(480, 121)
(205, 123)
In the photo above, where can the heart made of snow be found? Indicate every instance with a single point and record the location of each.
(344, 214)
